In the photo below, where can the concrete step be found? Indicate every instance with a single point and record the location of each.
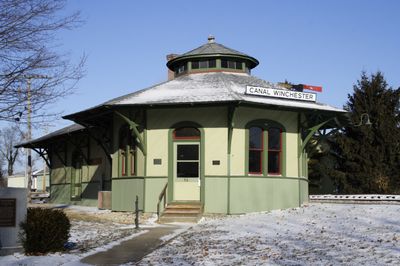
(182, 211)
(183, 219)
(181, 206)
(185, 204)
(180, 215)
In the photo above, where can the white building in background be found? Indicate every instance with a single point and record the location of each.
(40, 180)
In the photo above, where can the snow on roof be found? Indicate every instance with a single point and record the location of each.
(212, 87)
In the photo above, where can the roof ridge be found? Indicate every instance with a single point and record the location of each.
(232, 93)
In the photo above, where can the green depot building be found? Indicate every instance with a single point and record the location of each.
(212, 134)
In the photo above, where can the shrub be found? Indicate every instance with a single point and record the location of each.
(45, 230)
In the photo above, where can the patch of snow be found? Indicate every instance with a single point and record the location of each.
(318, 234)
(85, 209)
(212, 87)
(70, 259)
(88, 235)
(150, 222)
(152, 219)
(182, 228)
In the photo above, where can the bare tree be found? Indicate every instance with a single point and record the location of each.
(3, 180)
(29, 54)
(9, 137)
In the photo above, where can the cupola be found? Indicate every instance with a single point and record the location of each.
(210, 57)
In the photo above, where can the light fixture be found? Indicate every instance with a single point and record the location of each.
(364, 120)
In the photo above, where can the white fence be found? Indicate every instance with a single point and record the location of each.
(361, 197)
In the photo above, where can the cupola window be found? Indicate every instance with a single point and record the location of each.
(199, 64)
(231, 64)
(181, 69)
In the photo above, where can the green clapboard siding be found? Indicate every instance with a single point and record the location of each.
(153, 188)
(61, 194)
(124, 193)
(216, 195)
(262, 194)
(90, 193)
(303, 191)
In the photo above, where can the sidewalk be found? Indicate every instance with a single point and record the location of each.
(132, 250)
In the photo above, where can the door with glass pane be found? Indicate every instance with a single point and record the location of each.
(187, 171)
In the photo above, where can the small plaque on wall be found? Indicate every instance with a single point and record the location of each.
(216, 162)
(157, 161)
(8, 212)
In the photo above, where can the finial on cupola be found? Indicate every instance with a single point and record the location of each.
(211, 39)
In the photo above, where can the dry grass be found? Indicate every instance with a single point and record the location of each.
(100, 217)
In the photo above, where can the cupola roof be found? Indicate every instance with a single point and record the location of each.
(212, 50)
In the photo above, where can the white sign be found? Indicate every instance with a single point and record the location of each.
(278, 93)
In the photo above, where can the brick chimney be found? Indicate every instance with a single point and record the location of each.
(171, 74)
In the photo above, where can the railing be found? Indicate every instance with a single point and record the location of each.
(137, 211)
(163, 195)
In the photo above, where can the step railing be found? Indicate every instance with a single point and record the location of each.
(162, 197)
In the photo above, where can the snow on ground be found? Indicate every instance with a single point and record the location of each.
(318, 234)
(54, 259)
(95, 232)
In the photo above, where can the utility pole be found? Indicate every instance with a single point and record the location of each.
(29, 137)
(29, 128)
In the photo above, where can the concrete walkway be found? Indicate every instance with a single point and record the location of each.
(132, 250)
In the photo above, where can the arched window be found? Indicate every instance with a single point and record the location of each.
(255, 150)
(127, 151)
(274, 150)
(265, 149)
(187, 133)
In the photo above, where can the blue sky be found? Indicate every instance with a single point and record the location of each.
(325, 43)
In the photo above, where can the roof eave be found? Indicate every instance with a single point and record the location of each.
(36, 143)
(272, 106)
(254, 62)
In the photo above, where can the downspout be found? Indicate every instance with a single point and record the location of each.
(299, 160)
(231, 114)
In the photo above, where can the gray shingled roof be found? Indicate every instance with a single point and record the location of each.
(212, 87)
(201, 88)
(213, 48)
(63, 131)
